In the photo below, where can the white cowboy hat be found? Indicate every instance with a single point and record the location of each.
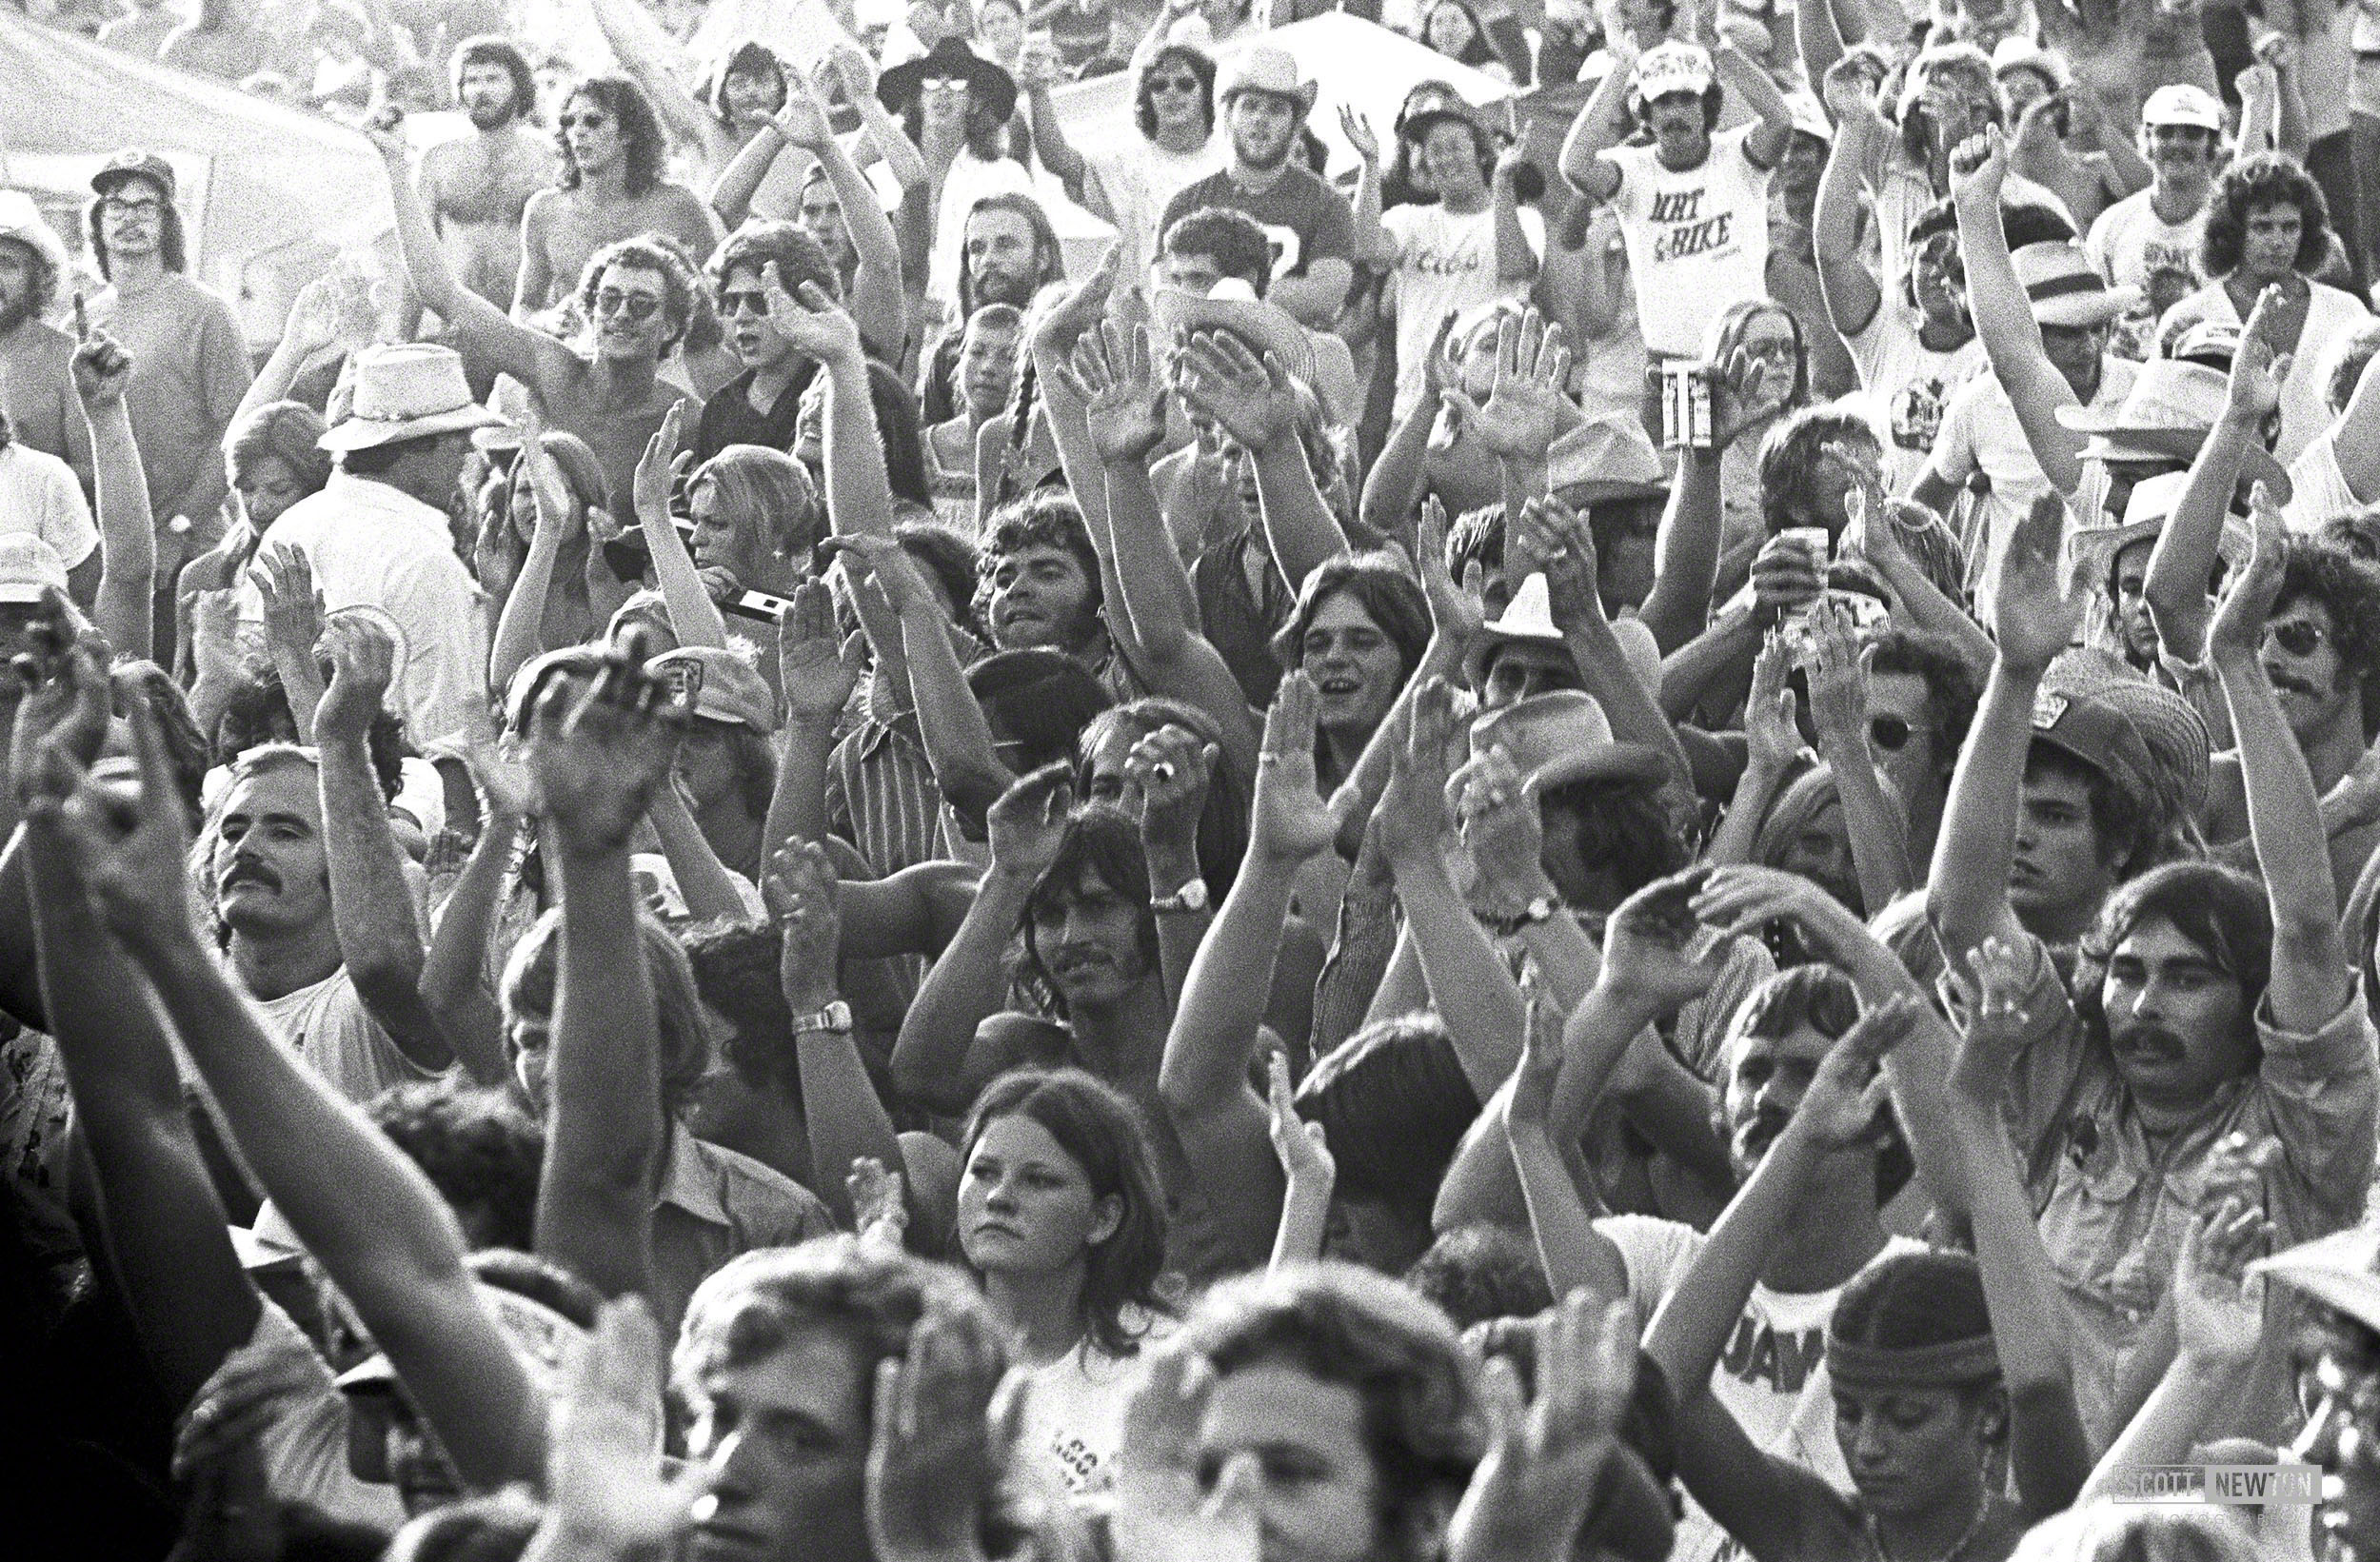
(21, 220)
(1268, 69)
(406, 391)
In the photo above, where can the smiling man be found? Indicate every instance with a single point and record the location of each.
(1039, 586)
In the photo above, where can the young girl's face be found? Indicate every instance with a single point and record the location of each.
(1911, 1449)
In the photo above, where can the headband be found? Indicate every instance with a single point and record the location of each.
(1946, 1365)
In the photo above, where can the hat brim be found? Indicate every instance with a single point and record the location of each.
(1304, 96)
(2334, 1270)
(2080, 309)
(1266, 328)
(1612, 761)
(105, 177)
(20, 593)
(363, 434)
(1491, 640)
(1419, 124)
(990, 86)
(2182, 444)
(1603, 491)
(43, 240)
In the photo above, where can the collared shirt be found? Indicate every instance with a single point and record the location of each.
(372, 544)
(2114, 1207)
(713, 1205)
(882, 796)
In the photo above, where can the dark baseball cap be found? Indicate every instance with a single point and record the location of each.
(2094, 731)
(134, 163)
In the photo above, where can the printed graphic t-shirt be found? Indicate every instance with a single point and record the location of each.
(1698, 238)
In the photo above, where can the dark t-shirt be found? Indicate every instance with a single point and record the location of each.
(1304, 218)
(729, 417)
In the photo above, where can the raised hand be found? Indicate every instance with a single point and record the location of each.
(815, 666)
(2238, 630)
(315, 319)
(502, 778)
(1649, 945)
(101, 370)
(2038, 612)
(1978, 168)
(880, 1202)
(600, 747)
(1163, 1511)
(1533, 1489)
(363, 663)
(1851, 98)
(294, 609)
(1456, 612)
(1123, 400)
(1173, 767)
(815, 324)
(1028, 823)
(802, 120)
(805, 901)
(1841, 1108)
(872, 556)
(1496, 808)
(2218, 1307)
(1063, 325)
(1745, 391)
(64, 712)
(1560, 540)
(1528, 405)
(128, 844)
(2036, 130)
(658, 469)
(1289, 823)
(605, 1492)
(854, 69)
(1784, 577)
(1412, 812)
(1532, 1097)
(1741, 899)
(1255, 401)
(1357, 130)
(215, 633)
(2259, 369)
(1992, 993)
(936, 1457)
(1839, 681)
(1303, 1148)
(548, 488)
(1771, 734)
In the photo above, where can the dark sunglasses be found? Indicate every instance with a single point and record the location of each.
(1889, 733)
(743, 299)
(2296, 636)
(1174, 83)
(639, 307)
(584, 122)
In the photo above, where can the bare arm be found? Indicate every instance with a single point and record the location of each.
(128, 539)
(1743, 78)
(634, 37)
(453, 973)
(1256, 403)
(478, 327)
(1600, 126)
(2003, 314)
(1850, 286)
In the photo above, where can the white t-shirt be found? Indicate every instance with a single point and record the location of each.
(2129, 240)
(1138, 178)
(326, 1023)
(1906, 387)
(1772, 1376)
(1698, 238)
(2319, 489)
(1074, 1409)
(1980, 434)
(1445, 266)
(38, 494)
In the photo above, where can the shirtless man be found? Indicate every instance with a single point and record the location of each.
(612, 189)
(477, 188)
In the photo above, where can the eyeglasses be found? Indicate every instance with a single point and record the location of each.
(2296, 636)
(1890, 733)
(944, 84)
(743, 300)
(584, 122)
(138, 207)
(1188, 85)
(638, 308)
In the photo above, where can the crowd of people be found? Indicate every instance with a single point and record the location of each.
(1642, 827)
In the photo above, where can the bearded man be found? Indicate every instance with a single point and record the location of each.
(476, 187)
(36, 359)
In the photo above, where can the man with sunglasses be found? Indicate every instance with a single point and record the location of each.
(636, 296)
(1130, 184)
(762, 405)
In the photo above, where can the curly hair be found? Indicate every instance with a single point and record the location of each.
(735, 965)
(2251, 185)
(1230, 238)
(1480, 1273)
(1045, 518)
(648, 146)
(488, 48)
(1381, 585)
(1144, 101)
(651, 253)
(1629, 827)
(950, 557)
(792, 248)
(1222, 821)
(1342, 1325)
(2349, 590)
(477, 1147)
(1102, 1131)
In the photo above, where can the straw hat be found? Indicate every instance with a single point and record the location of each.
(1563, 737)
(406, 391)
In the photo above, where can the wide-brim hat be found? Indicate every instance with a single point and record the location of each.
(2341, 1271)
(1232, 305)
(1609, 456)
(993, 88)
(1270, 70)
(21, 220)
(406, 391)
(2152, 503)
(2065, 288)
(1563, 737)
(1528, 619)
(2167, 415)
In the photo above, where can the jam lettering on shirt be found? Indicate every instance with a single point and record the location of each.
(1757, 1354)
(1689, 231)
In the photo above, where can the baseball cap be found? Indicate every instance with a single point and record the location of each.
(2080, 722)
(134, 163)
(29, 566)
(2179, 103)
(1672, 67)
(724, 687)
(2171, 731)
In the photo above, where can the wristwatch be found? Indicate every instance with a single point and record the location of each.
(1191, 897)
(1541, 909)
(836, 1016)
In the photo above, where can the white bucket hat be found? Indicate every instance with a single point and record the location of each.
(405, 391)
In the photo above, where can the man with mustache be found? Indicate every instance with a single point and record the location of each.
(2202, 1004)
(36, 384)
(477, 187)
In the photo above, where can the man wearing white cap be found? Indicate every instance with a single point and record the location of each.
(377, 533)
(2157, 230)
(1693, 206)
(36, 381)
(1312, 227)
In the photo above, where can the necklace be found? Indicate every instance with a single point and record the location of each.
(1958, 1546)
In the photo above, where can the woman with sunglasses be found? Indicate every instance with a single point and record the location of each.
(1130, 184)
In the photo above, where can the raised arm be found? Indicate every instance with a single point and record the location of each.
(597, 751)
(892, 144)
(454, 972)
(1686, 560)
(816, 673)
(876, 301)
(1571, 1251)
(1602, 124)
(637, 39)
(1308, 1172)
(2312, 980)
(520, 627)
(1037, 73)
(1743, 78)
(371, 908)
(2003, 314)
(1861, 136)
(365, 1212)
(692, 614)
(1966, 893)
(480, 328)
(1393, 488)
(128, 540)
(1256, 403)
(1838, 709)
(1551, 532)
